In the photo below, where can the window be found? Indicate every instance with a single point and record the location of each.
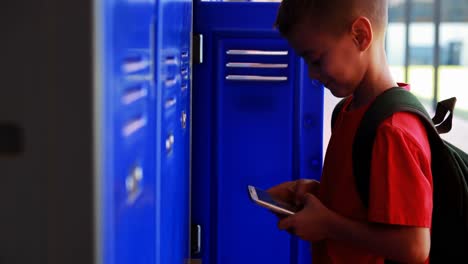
(427, 46)
(453, 70)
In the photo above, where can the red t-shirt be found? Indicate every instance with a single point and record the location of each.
(400, 181)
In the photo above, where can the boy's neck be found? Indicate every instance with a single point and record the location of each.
(377, 79)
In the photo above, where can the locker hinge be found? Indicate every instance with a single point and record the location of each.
(196, 239)
(197, 49)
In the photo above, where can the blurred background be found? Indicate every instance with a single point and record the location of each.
(427, 47)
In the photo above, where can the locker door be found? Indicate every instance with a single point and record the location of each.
(127, 228)
(257, 120)
(173, 71)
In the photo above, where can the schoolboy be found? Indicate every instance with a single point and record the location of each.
(342, 42)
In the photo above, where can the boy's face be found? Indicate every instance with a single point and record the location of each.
(335, 61)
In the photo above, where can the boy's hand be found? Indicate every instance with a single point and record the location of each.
(293, 192)
(304, 187)
(311, 223)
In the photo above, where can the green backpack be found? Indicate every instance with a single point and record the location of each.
(449, 235)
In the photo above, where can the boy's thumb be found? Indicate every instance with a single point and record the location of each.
(301, 198)
(309, 198)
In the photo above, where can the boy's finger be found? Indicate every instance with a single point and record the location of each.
(315, 187)
(300, 193)
(292, 187)
(305, 187)
(285, 223)
(282, 192)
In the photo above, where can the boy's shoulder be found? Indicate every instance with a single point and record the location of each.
(407, 125)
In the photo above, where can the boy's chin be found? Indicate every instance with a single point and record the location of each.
(340, 93)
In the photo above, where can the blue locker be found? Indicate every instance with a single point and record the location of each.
(257, 120)
(261, 131)
(128, 188)
(146, 111)
(173, 69)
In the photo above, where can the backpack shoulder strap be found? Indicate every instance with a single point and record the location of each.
(391, 101)
(337, 111)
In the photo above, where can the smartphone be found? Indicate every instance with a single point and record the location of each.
(264, 199)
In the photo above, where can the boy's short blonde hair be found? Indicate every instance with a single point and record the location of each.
(332, 15)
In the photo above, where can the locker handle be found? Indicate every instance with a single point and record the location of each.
(170, 140)
(256, 65)
(256, 78)
(257, 52)
(133, 184)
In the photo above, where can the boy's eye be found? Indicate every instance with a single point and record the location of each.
(315, 62)
(312, 62)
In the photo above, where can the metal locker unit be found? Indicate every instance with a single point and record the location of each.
(127, 194)
(257, 120)
(146, 185)
(84, 126)
(173, 89)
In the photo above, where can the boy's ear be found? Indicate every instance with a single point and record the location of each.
(362, 34)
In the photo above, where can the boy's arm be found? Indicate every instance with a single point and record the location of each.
(401, 183)
(400, 243)
(400, 198)
(395, 242)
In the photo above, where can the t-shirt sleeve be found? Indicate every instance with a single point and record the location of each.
(401, 179)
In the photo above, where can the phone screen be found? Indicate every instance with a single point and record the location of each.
(266, 197)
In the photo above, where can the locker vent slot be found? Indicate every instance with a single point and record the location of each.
(170, 102)
(257, 52)
(134, 94)
(256, 65)
(135, 63)
(171, 81)
(172, 71)
(185, 73)
(133, 126)
(256, 78)
(171, 60)
(185, 55)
